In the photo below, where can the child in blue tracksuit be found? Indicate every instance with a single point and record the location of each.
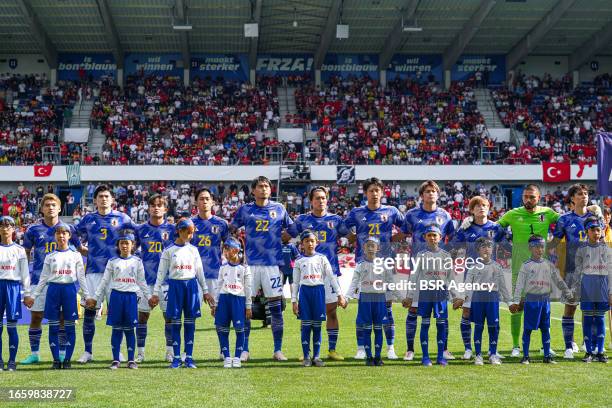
(532, 293)
(369, 283)
(233, 301)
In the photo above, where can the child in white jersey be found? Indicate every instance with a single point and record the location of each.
(61, 269)
(308, 295)
(125, 276)
(14, 277)
(233, 301)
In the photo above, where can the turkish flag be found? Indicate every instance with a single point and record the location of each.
(556, 172)
(43, 171)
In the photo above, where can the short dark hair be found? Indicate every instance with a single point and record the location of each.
(576, 188)
(103, 187)
(318, 188)
(155, 197)
(607, 211)
(204, 190)
(428, 183)
(532, 186)
(260, 179)
(373, 181)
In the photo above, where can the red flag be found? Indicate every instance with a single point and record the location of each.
(556, 172)
(43, 171)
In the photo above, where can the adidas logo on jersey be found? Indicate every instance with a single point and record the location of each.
(68, 343)
(175, 344)
(52, 345)
(573, 226)
(147, 235)
(74, 313)
(322, 315)
(472, 236)
(12, 346)
(238, 322)
(190, 342)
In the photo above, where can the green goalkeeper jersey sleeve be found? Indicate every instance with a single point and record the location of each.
(524, 224)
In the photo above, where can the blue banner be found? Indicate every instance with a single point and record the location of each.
(419, 67)
(153, 64)
(284, 65)
(71, 66)
(492, 68)
(346, 65)
(232, 67)
(604, 164)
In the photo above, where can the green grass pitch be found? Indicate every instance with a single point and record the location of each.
(264, 383)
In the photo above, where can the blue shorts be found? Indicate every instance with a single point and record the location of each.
(537, 312)
(183, 299)
(122, 309)
(439, 309)
(311, 301)
(372, 309)
(485, 305)
(10, 299)
(595, 306)
(231, 308)
(61, 299)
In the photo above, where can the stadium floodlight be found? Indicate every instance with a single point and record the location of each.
(182, 27)
(342, 31)
(251, 30)
(411, 28)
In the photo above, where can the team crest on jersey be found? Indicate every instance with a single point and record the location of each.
(330, 224)
(541, 217)
(384, 217)
(214, 229)
(491, 233)
(165, 236)
(272, 214)
(114, 222)
(439, 220)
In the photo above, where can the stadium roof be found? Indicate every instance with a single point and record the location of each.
(450, 27)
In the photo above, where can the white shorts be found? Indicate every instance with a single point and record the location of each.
(143, 303)
(39, 302)
(269, 278)
(93, 281)
(330, 295)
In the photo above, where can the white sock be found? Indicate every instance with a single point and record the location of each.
(141, 350)
(170, 349)
(36, 353)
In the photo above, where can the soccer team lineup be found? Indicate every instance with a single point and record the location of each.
(531, 258)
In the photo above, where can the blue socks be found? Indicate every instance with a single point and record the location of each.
(116, 337)
(141, 334)
(168, 333)
(466, 333)
(332, 335)
(359, 332)
(546, 340)
(223, 335)
(247, 333)
(130, 339)
(389, 327)
(526, 341)
(54, 338)
(478, 329)
(89, 328)
(567, 326)
(424, 337)
(411, 326)
(11, 329)
(35, 335)
(306, 328)
(366, 335)
(62, 339)
(493, 337)
(70, 338)
(276, 314)
(239, 342)
(441, 336)
(316, 338)
(587, 324)
(176, 338)
(189, 325)
(600, 327)
(378, 340)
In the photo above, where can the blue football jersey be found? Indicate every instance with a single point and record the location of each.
(378, 223)
(416, 221)
(263, 227)
(153, 240)
(465, 238)
(101, 233)
(329, 228)
(41, 237)
(290, 254)
(571, 227)
(208, 239)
